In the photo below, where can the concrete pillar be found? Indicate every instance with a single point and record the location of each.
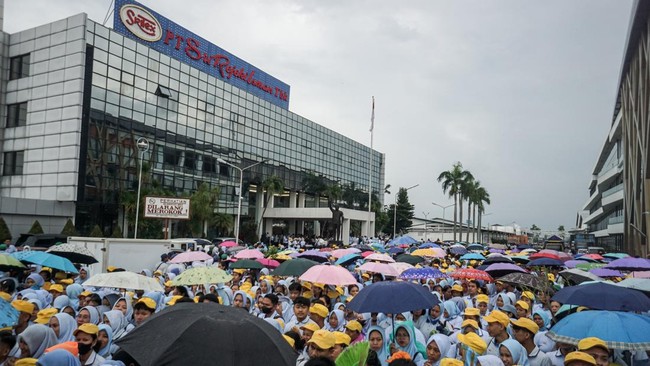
(293, 199)
(317, 228)
(345, 231)
(364, 228)
(268, 226)
(301, 199)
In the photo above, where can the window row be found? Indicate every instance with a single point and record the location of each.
(13, 163)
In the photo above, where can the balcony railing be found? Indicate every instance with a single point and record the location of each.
(612, 190)
(615, 220)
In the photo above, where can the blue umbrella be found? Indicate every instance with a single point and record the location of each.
(378, 247)
(348, 258)
(457, 250)
(545, 262)
(404, 296)
(8, 314)
(421, 274)
(620, 330)
(395, 250)
(402, 240)
(603, 296)
(46, 260)
(428, 245)
(475, 246)
(472, 256)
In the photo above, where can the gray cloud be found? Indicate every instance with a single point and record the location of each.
(520, 92)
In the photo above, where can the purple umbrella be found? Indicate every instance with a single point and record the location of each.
(572, 263)
(495, 250)
(605, 272)
(314, 255)
(501, 269)
(629, 264)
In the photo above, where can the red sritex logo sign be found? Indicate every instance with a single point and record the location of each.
(140, 22)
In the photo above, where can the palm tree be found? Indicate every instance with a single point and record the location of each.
(224, 223)
(477, 198)
(272, 185)
(452, 183)
(481, 198)
(202, 205)
(315, 185)
(470, 189)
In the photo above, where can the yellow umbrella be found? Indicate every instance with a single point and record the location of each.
(430, 252)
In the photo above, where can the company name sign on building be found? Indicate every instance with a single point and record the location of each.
(167, 208)
(137, 22)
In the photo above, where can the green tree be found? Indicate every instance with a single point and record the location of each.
(97, 232)
(203, 202)
(5, 234)
(404, 215)
(271, 186)
(561, 230)
(477, 198)
(36, 228)
(69, 229)
(117, 232)
(534, 228)
(248, 231)
(224, 223)
(452, 183)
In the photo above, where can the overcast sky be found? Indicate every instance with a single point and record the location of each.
(520, 92)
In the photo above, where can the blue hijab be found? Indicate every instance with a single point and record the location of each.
(59, 357)
(444, 345)
(383, 352)
(106, 350)
(517, 351)
(451, 308)
(435, 320)
(73, 291)
(547, 321)
(414, 347)
(341, 318)
(67, 326)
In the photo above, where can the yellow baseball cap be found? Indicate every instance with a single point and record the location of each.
(87, 328)
(85, 293)
(56, 287)
(497, 316)
(319, 285)
(472, 312)
(319, 310)
(26, 362)
(528, 294)
(458, 288)
(342, 338)
(289, 340)
(354, 325)
(169, 283)
(23, 306)
(579, 356)
(239, 270)
(469, 322)
(311, 326)
(523, 304)
(43, 316)
(450, 362)
(323, 339)
(173, 300)
(67, 281)
(482, 298)
(591, 342)
(527, 324)
(551, 277)
(148, 303)
(5, 296)
(473, 341)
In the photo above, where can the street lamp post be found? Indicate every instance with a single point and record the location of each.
(480, 234)
(143, 146)
(241, 183)
(395, 209)
(444, 208)
(426, 229)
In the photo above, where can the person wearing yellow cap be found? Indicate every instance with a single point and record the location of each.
(355, 330)
(578, 358)
(25, 309)
(497, 328)
(318, 313)
(470, 346)
(142, 310)
(523, 309)
(86, 337)
(447, 361)
(596, 348)
(482, 302)
(524, 330)
(322, 344)
(43, 316)
(342, 342)
(529, 297)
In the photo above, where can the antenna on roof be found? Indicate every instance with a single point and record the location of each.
(108, 12)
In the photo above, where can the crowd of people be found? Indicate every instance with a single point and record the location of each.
(61, 321)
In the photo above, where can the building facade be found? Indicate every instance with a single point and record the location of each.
(77, 96)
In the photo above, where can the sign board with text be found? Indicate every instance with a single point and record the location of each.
(144, 25)
(167, 208)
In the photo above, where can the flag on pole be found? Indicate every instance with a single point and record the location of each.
(372, 117)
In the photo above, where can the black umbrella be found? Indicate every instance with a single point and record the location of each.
(207, 334)
(525, 280)
(410, 259)
(364, 248)
(246, 264)
(75, 253)
(497, 259)
(294, 267)
(603, 296)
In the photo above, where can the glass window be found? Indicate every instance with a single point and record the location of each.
(19, 67)
(13, 163)
(17, 114)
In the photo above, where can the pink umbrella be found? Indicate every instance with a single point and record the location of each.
(380, 258)
(270, 263)
(640, 274)
(228, 244)
(249, 254)
(382, 268)
(190, 257)
(400, 266)
(340, 253)
(328, 275)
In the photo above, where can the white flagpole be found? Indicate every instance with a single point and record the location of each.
(372, 127)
